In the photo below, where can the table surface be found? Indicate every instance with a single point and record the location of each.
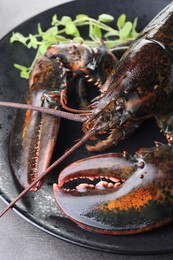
(19, 239)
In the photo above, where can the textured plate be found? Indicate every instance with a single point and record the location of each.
(40, 208)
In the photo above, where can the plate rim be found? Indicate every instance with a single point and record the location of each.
(17, 210)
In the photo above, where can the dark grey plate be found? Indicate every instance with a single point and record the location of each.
(40, 208)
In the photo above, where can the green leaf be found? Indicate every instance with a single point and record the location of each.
(52, 31)
(55, 20)
(65, 20)
(121, 21)
(106, 18)
(134, 32)
(70, 28)
(78, 39)
(76, 33)
(111, 33)
(18, 37)
(135, 24)
(24, 71)
(24, 74)
(40, 32)
(50, 35)
(20, 67)
(81, 17)
(125, 31)
(33, 43)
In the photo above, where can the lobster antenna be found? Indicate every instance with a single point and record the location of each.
(69, 109)
(50, 168)
(72, 110)
(50, 111)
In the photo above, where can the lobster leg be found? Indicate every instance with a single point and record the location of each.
(115, 136)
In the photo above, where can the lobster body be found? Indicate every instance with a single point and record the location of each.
(139, 87)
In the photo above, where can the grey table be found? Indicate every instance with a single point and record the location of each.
(19, 239)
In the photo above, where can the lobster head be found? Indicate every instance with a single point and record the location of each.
(136, 89)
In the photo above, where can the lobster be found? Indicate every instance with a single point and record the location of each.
(117, 193)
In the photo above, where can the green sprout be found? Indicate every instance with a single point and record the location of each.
(67, 29)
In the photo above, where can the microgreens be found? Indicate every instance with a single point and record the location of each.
(67, 29)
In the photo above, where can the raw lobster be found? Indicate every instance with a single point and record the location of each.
(125, 194)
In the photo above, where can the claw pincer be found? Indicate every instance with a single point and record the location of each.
(138, 195)
(34, 134)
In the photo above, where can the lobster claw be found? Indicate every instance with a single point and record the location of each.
(32, 140)
(138, 199)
